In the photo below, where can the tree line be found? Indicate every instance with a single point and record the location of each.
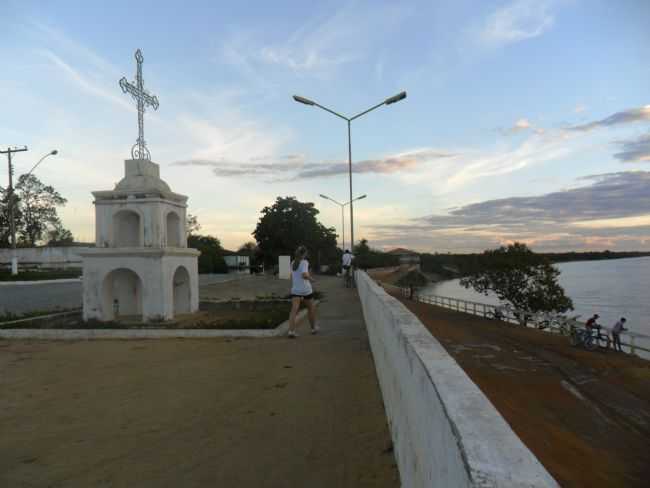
(35, 214)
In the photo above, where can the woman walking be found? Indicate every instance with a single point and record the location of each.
(301, 290)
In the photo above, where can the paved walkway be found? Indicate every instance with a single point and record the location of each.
(233, 413)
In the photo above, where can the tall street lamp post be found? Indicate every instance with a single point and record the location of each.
(388, 101)
(342, 205)
(11, 201)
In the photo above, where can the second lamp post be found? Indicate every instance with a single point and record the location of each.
(342, 205)
(388, 101)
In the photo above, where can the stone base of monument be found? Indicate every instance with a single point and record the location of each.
(153, 284)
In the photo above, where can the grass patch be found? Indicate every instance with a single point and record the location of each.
(10, 317)
(252, 320)
(58, 274)
(215, 320)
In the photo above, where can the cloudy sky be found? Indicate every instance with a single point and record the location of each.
(525, 119)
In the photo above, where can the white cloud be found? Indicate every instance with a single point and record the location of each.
(318, 47)
(610, 212)
(539, 147)
(628, 116)
(520, 125)
(517, 21)
(85, 83)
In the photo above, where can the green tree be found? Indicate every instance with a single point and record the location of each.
(289, 223)
(59, 236)
(211, 258)
(412, 280)
(38, 203)
(193, 226)
(365, 257)
(5, 217)
(517, 275)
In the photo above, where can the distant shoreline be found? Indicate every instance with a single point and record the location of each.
(604, 256)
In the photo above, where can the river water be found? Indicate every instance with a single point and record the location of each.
(611, 288)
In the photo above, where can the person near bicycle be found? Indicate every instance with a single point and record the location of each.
(616, 334)
(592, 325)
(346, 262)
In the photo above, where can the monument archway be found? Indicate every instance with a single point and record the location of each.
(126, 229)
(122, 295)
(182, 291)
(173, 224)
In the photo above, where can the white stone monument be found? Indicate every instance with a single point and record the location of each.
(141, 268)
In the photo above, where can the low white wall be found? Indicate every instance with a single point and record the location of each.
(49, 257)
(445, 432)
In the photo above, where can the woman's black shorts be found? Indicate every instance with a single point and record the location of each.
(304, 297)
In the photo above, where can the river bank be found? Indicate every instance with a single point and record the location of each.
(586, 416)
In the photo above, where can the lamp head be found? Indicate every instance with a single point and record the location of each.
(396, 98)
(304, 100)
(54, 152)
(362, 197)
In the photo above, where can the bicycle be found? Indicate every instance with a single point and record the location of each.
(543, 320)
(496, 314)
(583, 337)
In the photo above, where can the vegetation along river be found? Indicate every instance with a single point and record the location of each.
(611, 288)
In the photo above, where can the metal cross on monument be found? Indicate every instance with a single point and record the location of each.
(137, 91)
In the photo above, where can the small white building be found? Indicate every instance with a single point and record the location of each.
(141, 267)
(236, 262)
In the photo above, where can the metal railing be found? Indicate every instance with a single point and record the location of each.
(510, 315)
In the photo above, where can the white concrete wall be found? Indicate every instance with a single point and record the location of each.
(284, 267)
(45, 256)
(445, 432)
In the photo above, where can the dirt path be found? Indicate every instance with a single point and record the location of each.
(585, 415)
(231, 413)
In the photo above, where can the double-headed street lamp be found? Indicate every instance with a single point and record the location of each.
(388, 101)
(11, 201)
(342, 205)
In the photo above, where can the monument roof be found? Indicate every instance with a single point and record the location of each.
(142, 183)
(141, 177)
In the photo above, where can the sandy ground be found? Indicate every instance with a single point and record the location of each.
(585, 415)
(232, 413)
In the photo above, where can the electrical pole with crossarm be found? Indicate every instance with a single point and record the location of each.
(10, 200)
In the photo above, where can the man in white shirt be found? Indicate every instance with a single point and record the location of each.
(347, 260)
(616, 334)
(346, 264)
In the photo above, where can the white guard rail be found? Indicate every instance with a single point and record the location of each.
(632, 341)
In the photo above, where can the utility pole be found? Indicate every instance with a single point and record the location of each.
(10, 199)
